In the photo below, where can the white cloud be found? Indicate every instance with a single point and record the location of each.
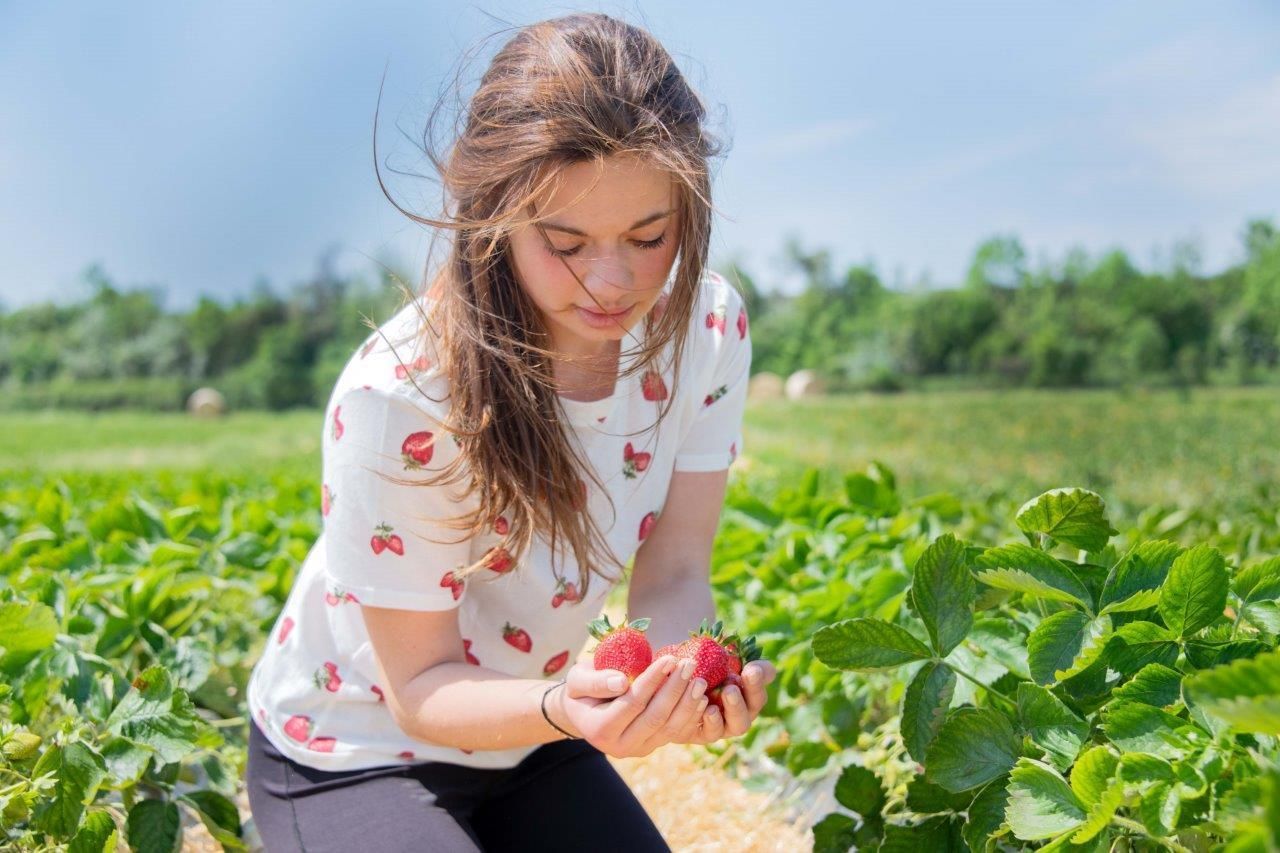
(815, 137)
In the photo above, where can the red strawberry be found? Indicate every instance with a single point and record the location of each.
(669, 649)
(286, 625)
(406, 755)
(498, 559)
(715, 695)
(555, 664)
(653, 386)
(517, 637)
(715, 319)
(378, 692)
(501, 526)
(633, 461)
(298, 727)
(350, 596)
(327, 677)
(416, 450)
(384, 540)
(647, 524)
(466, 650)
(331, 599)
(741, 651)
(710, 660)
(337, 424)
(742, 323)
(624, 648)
(326, 499)
(455, 586)
(321, 744)
(367, 387)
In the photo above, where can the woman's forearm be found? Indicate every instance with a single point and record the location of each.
(674, 610)
(470, 707)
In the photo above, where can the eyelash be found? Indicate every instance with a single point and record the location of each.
(657, 243)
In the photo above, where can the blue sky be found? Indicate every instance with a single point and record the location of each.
(198, 148)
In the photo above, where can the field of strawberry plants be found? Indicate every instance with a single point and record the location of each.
(958, 671)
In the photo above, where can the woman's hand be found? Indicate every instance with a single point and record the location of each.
(662, 706)
(658, 706)
(741, 709)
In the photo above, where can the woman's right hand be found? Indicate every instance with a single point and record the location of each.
(659, 707)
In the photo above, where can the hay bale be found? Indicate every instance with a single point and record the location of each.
(765, 386)
(805, 383)
(206, 403)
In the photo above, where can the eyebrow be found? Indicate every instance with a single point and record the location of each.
(653, 217)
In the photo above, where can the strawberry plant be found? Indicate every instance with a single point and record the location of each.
(1129, 698)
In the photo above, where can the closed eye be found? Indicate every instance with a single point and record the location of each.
(656, 243)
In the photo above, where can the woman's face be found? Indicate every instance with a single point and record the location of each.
(619, 238)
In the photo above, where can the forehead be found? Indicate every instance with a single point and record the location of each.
(608, 195)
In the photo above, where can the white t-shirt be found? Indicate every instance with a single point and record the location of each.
(314, 690)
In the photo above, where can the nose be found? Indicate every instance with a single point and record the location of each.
(608, 275)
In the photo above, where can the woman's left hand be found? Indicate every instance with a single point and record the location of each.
(740, 707)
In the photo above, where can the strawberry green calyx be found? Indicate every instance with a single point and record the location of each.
(600, 628)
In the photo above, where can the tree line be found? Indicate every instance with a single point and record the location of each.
(1085, 321)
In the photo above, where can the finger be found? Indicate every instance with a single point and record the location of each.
(656, 718)
(757, 675)
(688, 713)
(692, 732)
(622, 710)
(712, 725)
(737, 717)
(583, 681)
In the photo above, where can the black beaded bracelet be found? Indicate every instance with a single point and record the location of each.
(546, 693)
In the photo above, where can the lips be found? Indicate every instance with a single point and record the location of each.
(617, 313)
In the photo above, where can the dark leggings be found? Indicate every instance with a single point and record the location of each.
(565, 795)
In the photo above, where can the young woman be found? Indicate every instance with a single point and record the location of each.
(568, 394)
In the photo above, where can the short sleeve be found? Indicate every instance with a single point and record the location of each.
(378, 532)
(714, 439)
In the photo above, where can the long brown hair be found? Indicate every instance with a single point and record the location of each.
(564, 91)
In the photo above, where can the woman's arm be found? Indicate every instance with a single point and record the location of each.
(670, 580)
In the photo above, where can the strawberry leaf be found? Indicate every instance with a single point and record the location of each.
(1244, 693)
(973, 746)
(1020, 568)
(866, 644)
(1066, 643)
(924, 706)
(1073, 516)
(1052, 726)
(942, 589)
(154, 826)
(1041, 804)
(1195, 592)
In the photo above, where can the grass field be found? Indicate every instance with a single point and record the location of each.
(1212, 448)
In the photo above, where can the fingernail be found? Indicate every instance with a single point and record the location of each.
(617, 682)
(686, 670)
(671, 664)
(699, 685)
(752, 675)
(733, 697)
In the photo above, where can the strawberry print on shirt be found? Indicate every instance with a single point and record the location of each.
(315, 691)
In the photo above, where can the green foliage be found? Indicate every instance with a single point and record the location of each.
(1062, 690)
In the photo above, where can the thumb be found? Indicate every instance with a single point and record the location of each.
(583, 681)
